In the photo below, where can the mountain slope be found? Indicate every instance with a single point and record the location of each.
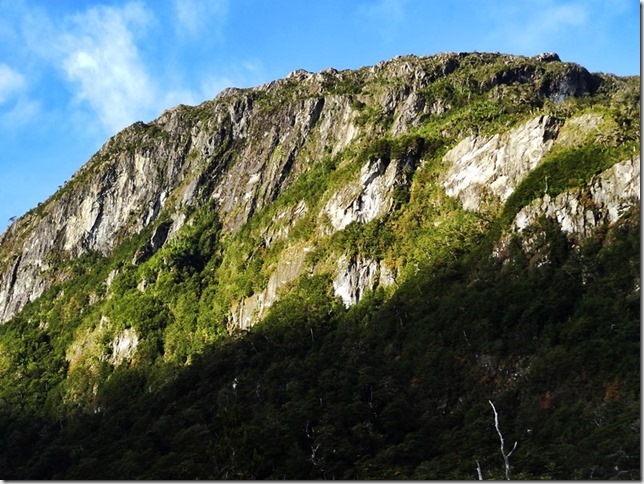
(416, 238)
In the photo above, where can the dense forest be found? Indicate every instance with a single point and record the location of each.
(485, 331)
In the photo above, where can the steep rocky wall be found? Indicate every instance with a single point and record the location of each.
(485, 169)
(241, 149)
(581, 211)
(354, 277)
(366, 199)
(251, 309)
(116, 195)
(245, 147)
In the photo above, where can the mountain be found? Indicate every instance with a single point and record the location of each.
(343, 274)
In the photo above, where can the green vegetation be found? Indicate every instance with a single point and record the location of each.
(563, 169)
(394, 387)
(385, 390)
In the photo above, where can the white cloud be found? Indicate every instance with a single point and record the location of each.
(540, 24)
(17, 108)
(552, 20)
(23, 112)
(11, 82)
(194, 16)
(100, 57)
(213, 85)
(107, 60)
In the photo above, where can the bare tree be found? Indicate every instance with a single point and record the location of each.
(478, 470)
(506, 457)
(310, 433)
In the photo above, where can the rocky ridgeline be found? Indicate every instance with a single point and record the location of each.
(580, 211)
(243, 149)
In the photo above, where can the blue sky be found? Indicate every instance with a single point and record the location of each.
(75, 72)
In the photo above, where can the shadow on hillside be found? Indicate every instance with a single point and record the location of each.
(394, 388)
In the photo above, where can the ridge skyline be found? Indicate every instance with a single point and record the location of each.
(72, 75)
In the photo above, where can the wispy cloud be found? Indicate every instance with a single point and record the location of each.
(100, 58)
(532, 27)
(11, 82)
(22, 112)
(104, 56)
(551, 20)
(193, 17)
(16, 108)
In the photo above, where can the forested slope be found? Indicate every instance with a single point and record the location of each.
(332, 276)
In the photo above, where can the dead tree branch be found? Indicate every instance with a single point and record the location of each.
(506, 457)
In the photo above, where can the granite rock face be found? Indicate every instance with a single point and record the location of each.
(242, 150)
(581, 211)
(356, 276)
(367, 199)
(489, 168)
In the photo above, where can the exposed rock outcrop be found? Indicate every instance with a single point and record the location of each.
(581, 211)
(367, 199)
(124, 346)
(252, 308)
(488, 169)
(357, 276)
(243, 149)
(239, 150)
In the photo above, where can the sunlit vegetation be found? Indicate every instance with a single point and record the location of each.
(397, 386)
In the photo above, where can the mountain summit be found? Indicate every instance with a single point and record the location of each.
(331, 275)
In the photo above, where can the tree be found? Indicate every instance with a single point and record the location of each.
(506, 457)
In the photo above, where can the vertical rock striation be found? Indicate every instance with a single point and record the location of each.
(246, 147)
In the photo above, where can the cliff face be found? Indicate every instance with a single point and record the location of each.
(246, 147)
(241, 150)
(580, 211)
(491, 167)
(331, 275)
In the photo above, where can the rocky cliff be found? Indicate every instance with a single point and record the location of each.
(245, 148)
(241, 150)
(332, 276)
